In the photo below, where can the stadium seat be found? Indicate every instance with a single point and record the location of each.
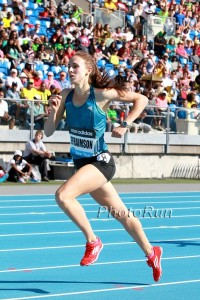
(101, 63)
(130, 20)
(109, 67)
(190, 63)
(20, 66)
(192, 34)
(56, 70)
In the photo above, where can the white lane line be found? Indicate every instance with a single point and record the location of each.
(90, 198)
(98, 264)
(91, 220)
(120, 193)
(96, 230)
(123, 197)
(27, 206)
(35, 213)
(105, 244)
(108, 290)
(96, 211)
(96, 204)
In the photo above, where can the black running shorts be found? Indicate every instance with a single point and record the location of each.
(104, 162)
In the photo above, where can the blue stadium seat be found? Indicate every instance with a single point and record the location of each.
(33, 19)
(192, 34)
(56, 70)
(4, 68)
(190, 63)
(109, 67)
(43, 31)
(20, 66)
(32, 5)
(101, 63)
(130, 20)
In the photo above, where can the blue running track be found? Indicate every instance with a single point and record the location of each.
(40, 249)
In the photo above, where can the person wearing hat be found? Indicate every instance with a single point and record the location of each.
(29, 92)
(51, 81)
(19, 170)
(151, 61)
(23, 78)
(167, 62)
(13, 77)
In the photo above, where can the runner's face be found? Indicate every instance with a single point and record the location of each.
(78, 71)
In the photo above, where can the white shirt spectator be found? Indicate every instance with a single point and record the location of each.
(3, 107)
(30, 145)
(13, 78)
(19, 166)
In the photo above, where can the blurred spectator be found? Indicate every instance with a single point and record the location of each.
(160, 44)
(63, 81)
(13, 78)
(76, 13)
(139, 126)
(38, 113)
(191, 99)
(51, 81)
(37, 78)
(161, 107)
(29, 92)
(28, 70)
(112, 118)
(12, 50)
(5, 118)
(17, 108)
(24, 79)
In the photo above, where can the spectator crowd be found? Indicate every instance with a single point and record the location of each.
(37, 39)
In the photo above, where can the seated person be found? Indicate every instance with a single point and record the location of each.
(19, 170)
(35, 153)
(139, 126)
(38, 112)
(5, 118)
(182, 113)
(3, 174)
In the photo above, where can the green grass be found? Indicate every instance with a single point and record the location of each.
(155, 181)
(120, 181)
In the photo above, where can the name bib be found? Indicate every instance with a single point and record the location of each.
(82, 142)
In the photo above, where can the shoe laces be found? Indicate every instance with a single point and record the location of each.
(89, 248)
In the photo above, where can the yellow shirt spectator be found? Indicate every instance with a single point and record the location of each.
(109, 4)
(29, 92)
(7, 20)
(44, 95)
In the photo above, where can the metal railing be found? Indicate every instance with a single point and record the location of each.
(188, 122)
(113, 18)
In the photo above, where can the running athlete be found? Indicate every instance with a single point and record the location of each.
(85, 107)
